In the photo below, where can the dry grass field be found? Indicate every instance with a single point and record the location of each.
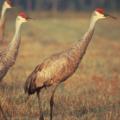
(92, 93)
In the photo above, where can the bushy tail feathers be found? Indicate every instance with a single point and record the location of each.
(30, 86)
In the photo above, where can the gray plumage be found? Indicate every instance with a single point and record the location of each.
(3, 18)
(8, 56)
(6, 61)
(58, 67)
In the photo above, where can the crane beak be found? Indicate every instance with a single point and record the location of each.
(29, 18)
(108, 15)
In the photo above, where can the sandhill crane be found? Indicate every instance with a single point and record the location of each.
(9, 55)
(6, 5)
(58, 67)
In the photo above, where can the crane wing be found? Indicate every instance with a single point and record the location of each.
(52, 70)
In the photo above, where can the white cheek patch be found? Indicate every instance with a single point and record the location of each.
(99, 15)
(22, 19)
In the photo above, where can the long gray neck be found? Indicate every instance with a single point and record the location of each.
(3, 17)
(12, 51)
(2, 22)
(80, 48)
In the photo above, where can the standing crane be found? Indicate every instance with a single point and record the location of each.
(6, 5)
(9, 55)
(58, 67)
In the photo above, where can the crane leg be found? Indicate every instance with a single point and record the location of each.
(52, 101)
(40, 107)
(4, 116)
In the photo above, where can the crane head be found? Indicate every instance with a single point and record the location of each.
(101, 14)
(23, 17)
(8, 4)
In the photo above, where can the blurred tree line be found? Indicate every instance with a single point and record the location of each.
(62, 5)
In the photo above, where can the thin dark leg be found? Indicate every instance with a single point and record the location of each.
(52, 102)
(26, 99)
(4, 116)
(40, 107)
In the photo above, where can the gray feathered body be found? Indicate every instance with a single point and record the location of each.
(5, 63)
(8, 56)
(1, 32)
(58, 67)
(53, 70)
